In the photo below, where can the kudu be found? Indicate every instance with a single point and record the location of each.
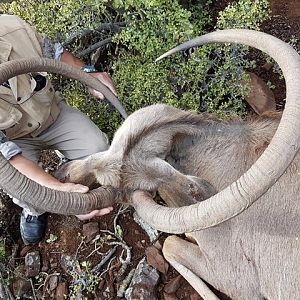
(243, 239)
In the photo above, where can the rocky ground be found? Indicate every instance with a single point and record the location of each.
(98, 259)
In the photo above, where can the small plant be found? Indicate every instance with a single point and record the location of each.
(52, 238)
(2, 248)
(83, 280)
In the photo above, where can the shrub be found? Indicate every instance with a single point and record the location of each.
(210, 78)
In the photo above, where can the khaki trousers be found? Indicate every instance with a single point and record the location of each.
(73, 134)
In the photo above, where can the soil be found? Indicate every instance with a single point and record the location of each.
(285, 24)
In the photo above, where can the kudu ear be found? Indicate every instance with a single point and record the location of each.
(186, 190)
(175, 188)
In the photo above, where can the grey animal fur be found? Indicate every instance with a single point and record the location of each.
(252, 256)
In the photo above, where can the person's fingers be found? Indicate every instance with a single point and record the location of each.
(105, 211)
(78, 188)
(70, 187)
(97, 94)
(107, 80)
(95, 213)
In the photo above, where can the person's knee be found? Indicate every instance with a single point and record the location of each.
(101, 144)
(98, 143)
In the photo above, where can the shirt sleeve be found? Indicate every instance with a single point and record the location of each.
(8, 148)
(49, 49)
(52, 50)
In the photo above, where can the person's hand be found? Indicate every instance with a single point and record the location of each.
(95, 213)
(105, 79)
(79, 188)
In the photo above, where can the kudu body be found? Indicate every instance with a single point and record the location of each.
(251, 256)
(246, 231)
(255, 254)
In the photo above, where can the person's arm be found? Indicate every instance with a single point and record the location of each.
(13, 154)
(37, 174)
(57, 51)
(104, 77)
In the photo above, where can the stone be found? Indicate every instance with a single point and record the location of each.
(173, 285)
(170, 296)
(25, 250)
(52, 282)
(195, 296)
(66, 262)
(158, 245)
(156, 259)
(21, 287)
(90, 230)
(32, 263)
(61, 291)
(143, 283)
(260, 98)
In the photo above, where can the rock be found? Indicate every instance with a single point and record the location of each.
(21, 287)
(170, 296)
(32, 263)
(195, 296)
(90, 230)
(52, 282)
(25, 250)
(268, 66)
(45, 265)
(61, 291)
(66, 262)
(143, 283)
(173, 285)
(289, 8)
(158, 245)
(156, 259)
(260, 98)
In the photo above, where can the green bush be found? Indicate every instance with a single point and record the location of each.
(56, 18)
(210, 78)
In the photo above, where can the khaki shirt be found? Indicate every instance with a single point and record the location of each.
(23, 111)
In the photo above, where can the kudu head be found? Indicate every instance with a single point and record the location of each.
(264, 172)
(146, 137)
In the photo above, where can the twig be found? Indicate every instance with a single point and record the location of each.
(121, 210)
(151, 232)
(107, 231)
(104, 260)
(125, 262)
(95, 250)
(81, 243)
(33, 290)
(125, 283)
(94, 47)
(5, 293)
(46, 281)
(108, 267)
(115, 27)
